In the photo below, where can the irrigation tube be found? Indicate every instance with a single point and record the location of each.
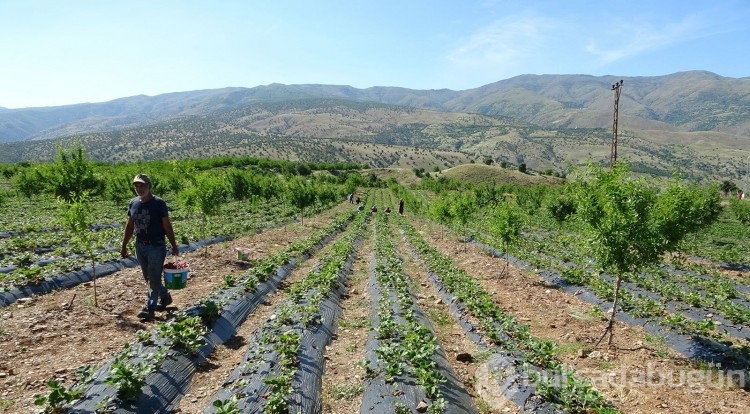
(505, 371)
(165, 387)
(247, 384)
(72, 279)
(690, 346)
(382, 397)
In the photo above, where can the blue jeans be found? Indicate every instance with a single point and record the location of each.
(151, 258)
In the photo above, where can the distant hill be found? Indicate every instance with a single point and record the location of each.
(686, 101)
(698, 122)
(480, 173)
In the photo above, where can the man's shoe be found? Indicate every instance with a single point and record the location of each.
(146, 314)
(164, 303)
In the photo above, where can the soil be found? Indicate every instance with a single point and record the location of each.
(50, 336)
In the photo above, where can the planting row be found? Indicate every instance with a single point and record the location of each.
(281, 370)
(686, 329)
(153, 373)
(240, 218)
(652, 293)
(405, 365)
(525, 367)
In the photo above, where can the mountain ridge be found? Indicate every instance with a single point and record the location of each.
(687, 101)
(695, 122)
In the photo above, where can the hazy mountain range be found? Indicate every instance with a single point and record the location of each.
(693, 120)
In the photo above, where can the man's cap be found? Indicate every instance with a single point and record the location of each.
(142, 178)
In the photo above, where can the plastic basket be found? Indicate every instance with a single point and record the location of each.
(175, 278)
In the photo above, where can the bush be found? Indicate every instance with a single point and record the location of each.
(741, 211)
(561, 208)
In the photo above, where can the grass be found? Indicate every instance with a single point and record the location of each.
(346, 391)
(358, 322)
(5, 404)
(439, 317)
(570, 348)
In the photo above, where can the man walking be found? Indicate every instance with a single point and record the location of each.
(149, 220)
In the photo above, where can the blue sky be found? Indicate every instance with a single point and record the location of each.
(55, 52)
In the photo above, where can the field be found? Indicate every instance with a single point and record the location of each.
(345, 311)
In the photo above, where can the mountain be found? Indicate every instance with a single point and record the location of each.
(696, 121)
(686, 101)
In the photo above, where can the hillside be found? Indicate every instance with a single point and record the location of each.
(696, 122)
(480, 173)
(686, 101)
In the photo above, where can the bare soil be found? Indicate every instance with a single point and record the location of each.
(50, 336)
(638, 373)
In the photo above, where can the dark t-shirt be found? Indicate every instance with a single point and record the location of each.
(147, 218)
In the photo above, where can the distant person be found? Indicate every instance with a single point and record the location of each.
(357, 200)
(401, 207)
(360, 207)
(374, 209)
(148, 219)
(351, 198)
(387, 210)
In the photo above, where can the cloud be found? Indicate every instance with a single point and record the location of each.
(505, 42)
(637, 36)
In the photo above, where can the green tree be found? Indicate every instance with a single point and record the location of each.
(75, 215)
(301, 195)
(561, 207)
(633, 222)
(441, 212)
(119, 187)
(73, 175)
(728, 186)
(506, 222)
(208, 194)
(29, 182)
(522, 167)
(741, 210)
(463, 207)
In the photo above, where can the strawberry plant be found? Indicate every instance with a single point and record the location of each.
(59, 398)
(228, 406)
(186, 332)
(208, 311)
(129, 377)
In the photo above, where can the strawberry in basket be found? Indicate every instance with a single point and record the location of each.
(176, 265)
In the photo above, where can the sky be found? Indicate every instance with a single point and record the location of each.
(61, 52)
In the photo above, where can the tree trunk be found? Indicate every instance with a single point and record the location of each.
(93, 272)
(611, 323)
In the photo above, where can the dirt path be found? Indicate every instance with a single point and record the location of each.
(343, 378)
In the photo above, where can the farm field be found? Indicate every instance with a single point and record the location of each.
(349, 311)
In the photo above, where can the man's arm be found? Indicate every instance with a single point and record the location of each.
(167, 224)
(126, 238)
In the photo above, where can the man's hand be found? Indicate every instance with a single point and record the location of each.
(175, 251)
(124, 252)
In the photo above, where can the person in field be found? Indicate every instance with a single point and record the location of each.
(148, 220)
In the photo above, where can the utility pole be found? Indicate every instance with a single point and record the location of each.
(617, 87)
